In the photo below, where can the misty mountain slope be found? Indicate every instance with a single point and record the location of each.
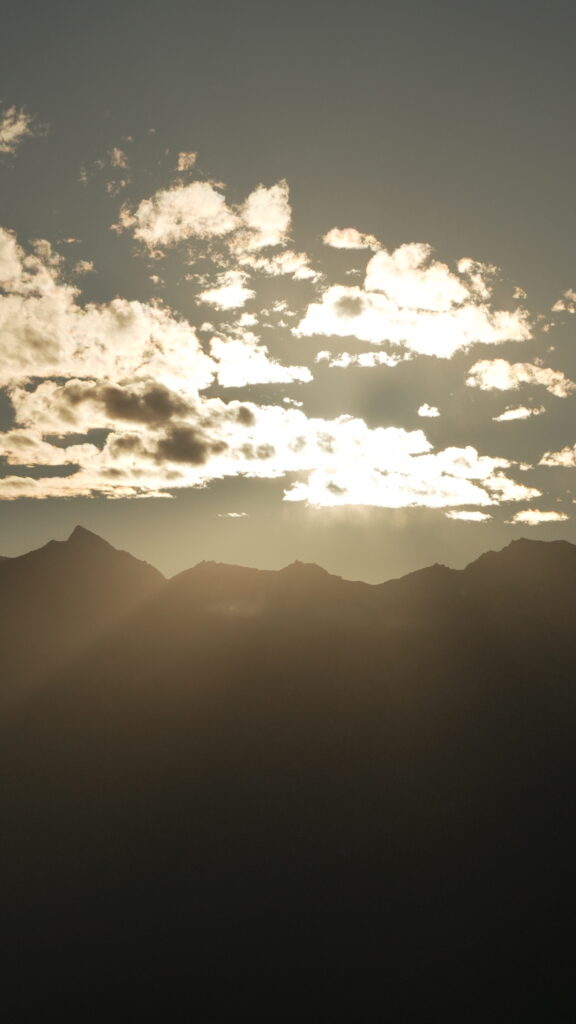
(55, 600)
(303, 767)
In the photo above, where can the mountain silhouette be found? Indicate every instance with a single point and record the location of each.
(55, 600)
(240, 779)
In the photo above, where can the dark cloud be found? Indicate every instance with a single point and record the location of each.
(126, 444)
(349, 305)
(245, 416)
(154, 404)
(261, 451)
(187, 444)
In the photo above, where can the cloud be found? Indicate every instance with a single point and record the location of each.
(417, 304)
(410, 278)
(500, 375)
(469, 517)
(118, 158)
(184, 443)
(15, 126)
(44, 332)
(199, 210)
(286, 263)
(232, 515)
(148, 402)
(137, 373)
(344, 462)
(230, 291)
(174, 214)
(567, 303)
(11, 268)
(186, 161)
(521, 412)
(367, 360)
(533, 517)
(340, 461)
(349, 238)
(241, 361)
(266, 215)
(565, 458)
(113, 392)
(452, 477)
(84, 267)
(24, 448)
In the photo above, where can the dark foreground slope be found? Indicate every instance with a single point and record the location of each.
(262, 789)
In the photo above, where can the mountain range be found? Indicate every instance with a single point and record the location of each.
(240, 779)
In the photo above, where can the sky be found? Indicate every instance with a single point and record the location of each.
(288, 282)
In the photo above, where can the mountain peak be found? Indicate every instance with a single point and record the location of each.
(303, 569)
(80, 536)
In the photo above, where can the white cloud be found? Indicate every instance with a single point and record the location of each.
(372, 317)
(500, 375)
(200, 210)
(15, 126)
(533, 517)
(286, 263)
(417, 303)
(367, 360)
(266, 215)
(469, 517)
(25, 448)
(10, 260)
(565, 458)
(242, 361)
(44, 332)
(349, 238)
(230, 291)
(185, 211)
(522, 412)
(453, 477)
(411, 279)
(428, 410)
(232, 515)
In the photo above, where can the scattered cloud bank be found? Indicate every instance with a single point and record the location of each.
(132, 397)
